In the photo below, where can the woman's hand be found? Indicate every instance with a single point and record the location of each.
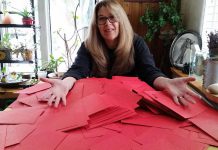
(59, 90)
(177, 88)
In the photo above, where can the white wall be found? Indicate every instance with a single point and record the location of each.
(192, 11)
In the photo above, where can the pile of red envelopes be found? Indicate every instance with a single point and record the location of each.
(122, 113)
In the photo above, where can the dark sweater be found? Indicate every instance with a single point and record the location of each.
(144, 64)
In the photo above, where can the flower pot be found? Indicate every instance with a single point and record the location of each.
(27, 55)
(27, 21)
(5, 54)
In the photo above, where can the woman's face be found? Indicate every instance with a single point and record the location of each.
(108, 26)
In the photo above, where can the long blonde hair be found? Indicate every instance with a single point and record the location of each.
(124, 53)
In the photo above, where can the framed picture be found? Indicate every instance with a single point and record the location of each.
(145, 1)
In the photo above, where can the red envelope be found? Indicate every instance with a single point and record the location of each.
(2, 136)
(21, 115)
(16, 133)
(154, 121)
(92, 86)
(76, 141)
(76, 93)
(208, 122)
(16, 104)
(35, 88)
(43, 140)
(155, 139)
(96, 121)
(114, 126)
(186, 112)
(124, 97)
(113, 142)
(30, 100)
(63, 118)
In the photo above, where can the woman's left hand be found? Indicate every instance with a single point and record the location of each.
(178, 89)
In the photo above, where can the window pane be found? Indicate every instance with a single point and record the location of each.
(64, 14)
(210, 21)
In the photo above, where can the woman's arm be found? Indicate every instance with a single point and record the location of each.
(177, 88)
(59, 90)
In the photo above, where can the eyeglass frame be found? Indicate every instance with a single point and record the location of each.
(111, 19)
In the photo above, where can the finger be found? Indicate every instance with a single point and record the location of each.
(57, 101)
(47, 80)
(47, 95)
(188, 79)
(64, 101)
(189, 99)
(176, 100)
(183, 101)
(51, 99)
(194, 94)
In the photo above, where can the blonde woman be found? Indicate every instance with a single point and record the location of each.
(112, 48)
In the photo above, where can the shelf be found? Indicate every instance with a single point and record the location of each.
(16, 61)
(15, 26)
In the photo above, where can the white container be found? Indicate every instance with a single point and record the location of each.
(210, 72)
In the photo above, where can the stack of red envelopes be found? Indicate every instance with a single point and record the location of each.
(104, 114)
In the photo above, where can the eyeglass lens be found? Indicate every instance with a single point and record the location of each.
(103, 20)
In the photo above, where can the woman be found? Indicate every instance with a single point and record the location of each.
(112, 48)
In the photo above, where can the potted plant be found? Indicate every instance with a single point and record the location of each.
(27, 54)
(213, 44)
(27, 16)
(51, 66)
(167, 16)
(5, 47)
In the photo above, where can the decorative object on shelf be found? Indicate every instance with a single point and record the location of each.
(5, 47)
(6, 19)
(26, 53)
(211, 64)
(27, 16)
(210, 72)
(52, 65)
(5, 54)
(183, 48)
(213, 88)
(213, 44)
(167, 21)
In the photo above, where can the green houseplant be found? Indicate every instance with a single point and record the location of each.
(5, 47)
(167, 14)
(26, 16)
(52, 65)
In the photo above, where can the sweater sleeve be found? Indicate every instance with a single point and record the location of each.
(81, 66)
(145, 65)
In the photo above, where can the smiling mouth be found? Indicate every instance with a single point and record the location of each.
(109, 30)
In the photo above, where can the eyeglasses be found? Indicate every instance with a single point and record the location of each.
(103, 20)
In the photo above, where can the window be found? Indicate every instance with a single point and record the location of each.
(68, 26)
(210, 22)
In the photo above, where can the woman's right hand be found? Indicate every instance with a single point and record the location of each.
(59, 90)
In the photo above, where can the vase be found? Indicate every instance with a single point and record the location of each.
(210, 75)
(27, 55)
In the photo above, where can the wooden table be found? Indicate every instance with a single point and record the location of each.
(7, 94)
